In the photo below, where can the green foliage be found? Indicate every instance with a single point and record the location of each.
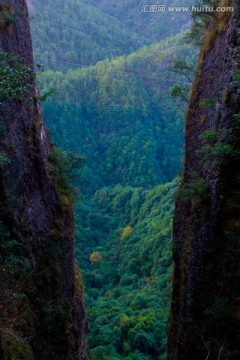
(79, 33)
(73, 35)
(15, 350)
(65, 170)
(16, 79)
(4, 159)
(209, 137)
(180, 94)
(183, 68)
(207, 103)
(14, 265)
(218, 152)
(218, 148)
(12, 254)
(236, 77)
(146, 343)
(120, 116)
(237, 116)
(104, 352)
(128, 292)
(196, 190)
(200, 19)
(6, 17)
(152, 26)
(46, 94)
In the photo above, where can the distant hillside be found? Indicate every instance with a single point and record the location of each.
(78, 33)
(72, 34)
(154, 26)
(119, 114)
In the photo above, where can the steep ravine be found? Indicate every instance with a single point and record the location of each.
(205, 314)
(42, 313)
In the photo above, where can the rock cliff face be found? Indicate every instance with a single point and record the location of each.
(205, 314)
(42, 314)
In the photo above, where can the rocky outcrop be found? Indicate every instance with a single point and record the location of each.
(42, 314)
(205, 313)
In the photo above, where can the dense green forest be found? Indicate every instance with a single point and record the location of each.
(78, 33)
(120, 116)
(154, 26)
(127, 231)
(72, 34)
(92, 214)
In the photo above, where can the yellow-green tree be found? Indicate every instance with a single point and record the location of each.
(126, 232)
(95, 257)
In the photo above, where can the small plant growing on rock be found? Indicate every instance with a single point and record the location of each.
(217, 150)
(207, 103)
(236, 77)
(6, 16)
(197, 190)
(4, 159)
(16, 79)
(65, 170)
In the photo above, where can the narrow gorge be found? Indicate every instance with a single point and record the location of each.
(116, 215)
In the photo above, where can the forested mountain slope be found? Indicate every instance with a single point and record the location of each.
(119, 115)
(71, 34)
(127, 232)
(77, 33)
(206, 293)
(42, 315)
(153, 26)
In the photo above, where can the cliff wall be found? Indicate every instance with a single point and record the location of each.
(205, 314)
(42, 314)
